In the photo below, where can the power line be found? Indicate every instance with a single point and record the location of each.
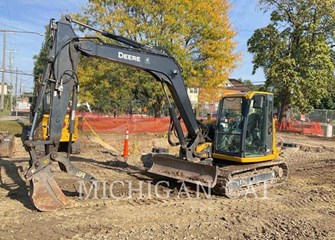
(19, 31)
(5, 31)
(18, 72)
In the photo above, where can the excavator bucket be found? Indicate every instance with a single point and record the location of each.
(172, 167)
(45, 192)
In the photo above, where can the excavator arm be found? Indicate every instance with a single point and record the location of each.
(61, 80)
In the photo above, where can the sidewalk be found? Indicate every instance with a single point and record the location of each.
(13, 118)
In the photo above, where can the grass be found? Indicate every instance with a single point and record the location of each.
(14, 127)
(5, 113)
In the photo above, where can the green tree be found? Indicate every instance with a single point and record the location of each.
(249, 83)
(329, 101)
(295, 51)
(197, 33)
(103, 85)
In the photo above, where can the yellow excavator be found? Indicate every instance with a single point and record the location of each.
(238, 152)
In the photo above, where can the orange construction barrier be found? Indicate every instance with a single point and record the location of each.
(118, 125)
(307, 128)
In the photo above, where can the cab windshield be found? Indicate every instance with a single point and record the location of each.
(255, 135)
(230, 126)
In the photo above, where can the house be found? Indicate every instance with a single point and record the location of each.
(207, 102)
(193, 94)
(236, 85)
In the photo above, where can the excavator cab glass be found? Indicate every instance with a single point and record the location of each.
(254, 141)
(244, 126)
(229, 129)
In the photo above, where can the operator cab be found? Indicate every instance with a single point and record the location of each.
(244, 127)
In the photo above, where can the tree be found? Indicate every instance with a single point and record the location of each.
(197, 33)
(103, 85)
(329, 101)
(249, 83)
(295, 51)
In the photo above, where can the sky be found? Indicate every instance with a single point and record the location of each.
(33, 15)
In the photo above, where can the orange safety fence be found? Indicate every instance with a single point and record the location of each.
(135, 124)
(142, 124)
(307, 128)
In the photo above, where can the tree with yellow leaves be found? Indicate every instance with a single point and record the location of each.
(196, 32)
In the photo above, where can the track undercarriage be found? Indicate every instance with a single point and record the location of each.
(238, 180)
(230, 180)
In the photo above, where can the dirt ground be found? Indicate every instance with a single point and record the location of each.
(301, 208)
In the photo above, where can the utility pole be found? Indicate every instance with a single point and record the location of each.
(11, 78)
(2, 96)
(20, 92)
(2, 100)
(16, 92)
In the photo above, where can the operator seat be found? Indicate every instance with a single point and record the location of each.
(254, 127)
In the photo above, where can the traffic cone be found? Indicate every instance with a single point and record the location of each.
(125, 146)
